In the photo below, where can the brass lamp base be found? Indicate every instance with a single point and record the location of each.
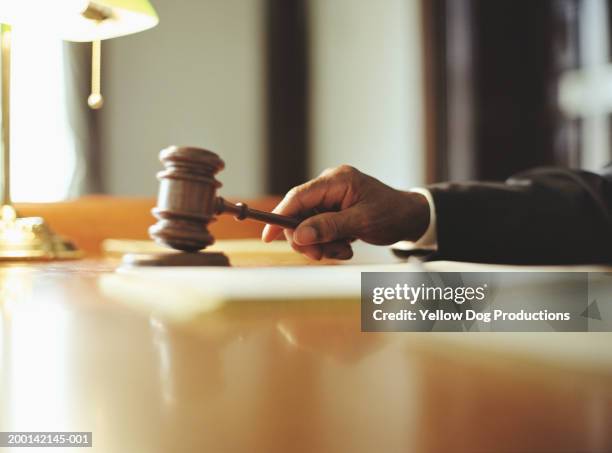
(30, 238)
(27, 238)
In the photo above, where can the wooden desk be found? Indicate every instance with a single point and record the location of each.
(90, 219)
(273, 377)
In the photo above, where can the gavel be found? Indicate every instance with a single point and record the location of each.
(187, 201)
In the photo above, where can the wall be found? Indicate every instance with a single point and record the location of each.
(194, 79)
(197, 79)
(367, 88)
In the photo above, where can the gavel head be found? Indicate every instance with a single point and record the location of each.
(186, 199)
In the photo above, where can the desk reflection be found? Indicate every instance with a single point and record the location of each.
(272, 377)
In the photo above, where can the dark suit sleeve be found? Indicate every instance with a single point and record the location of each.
(546, 215)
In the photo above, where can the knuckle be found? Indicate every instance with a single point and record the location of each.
(340, 169)
(348, 173)
(328, 171)
(293, 192)
(347, 170)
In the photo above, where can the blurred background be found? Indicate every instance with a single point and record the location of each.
(410, 91)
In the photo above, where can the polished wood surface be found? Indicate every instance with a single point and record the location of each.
(274, 377)
(89, 220)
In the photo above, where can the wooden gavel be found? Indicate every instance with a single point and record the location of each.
(187, 201)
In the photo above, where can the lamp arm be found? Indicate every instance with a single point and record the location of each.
(5, 147)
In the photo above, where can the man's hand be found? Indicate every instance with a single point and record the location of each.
(343, 204)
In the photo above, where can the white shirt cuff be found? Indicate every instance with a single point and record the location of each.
(429, 240)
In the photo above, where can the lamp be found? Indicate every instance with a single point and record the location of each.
(81, 20)
(103, 19)
(72, 20)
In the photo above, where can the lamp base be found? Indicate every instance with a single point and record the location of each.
(30, 238)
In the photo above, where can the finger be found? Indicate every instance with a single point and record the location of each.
(339, 250)
(314, 252)
(323, 193)
(327, 227)
(270, 233)
(292, 205)
(303, 197)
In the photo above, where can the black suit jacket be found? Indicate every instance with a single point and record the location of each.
(545, 215)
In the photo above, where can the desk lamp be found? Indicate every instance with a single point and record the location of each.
(29, 238)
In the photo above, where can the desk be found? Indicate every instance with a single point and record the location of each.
(286, 377)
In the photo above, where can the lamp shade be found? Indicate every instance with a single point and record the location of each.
(104, 19)
(81, 20)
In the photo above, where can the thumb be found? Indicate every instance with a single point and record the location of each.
(326, 227)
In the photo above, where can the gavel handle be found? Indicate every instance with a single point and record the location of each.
(241, 211)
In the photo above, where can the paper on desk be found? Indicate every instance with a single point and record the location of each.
(252, 252)
(184, 292)
(241, 252)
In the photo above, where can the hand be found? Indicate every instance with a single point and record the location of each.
(343, 204)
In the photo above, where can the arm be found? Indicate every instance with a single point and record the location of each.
(546, 215)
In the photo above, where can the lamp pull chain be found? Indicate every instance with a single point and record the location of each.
(95, 100)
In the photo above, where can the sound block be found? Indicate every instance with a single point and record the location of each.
(176, 259)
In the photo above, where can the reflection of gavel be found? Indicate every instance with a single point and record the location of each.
(187, 200)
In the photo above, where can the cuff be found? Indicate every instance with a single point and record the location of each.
(429, 240)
